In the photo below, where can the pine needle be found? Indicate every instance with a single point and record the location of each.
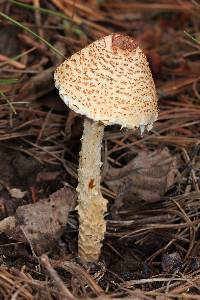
(32, 33)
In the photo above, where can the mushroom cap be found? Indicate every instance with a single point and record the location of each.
(110, 81)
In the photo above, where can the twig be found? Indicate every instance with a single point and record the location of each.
(11, 62)
(54, 276)
(38, 17)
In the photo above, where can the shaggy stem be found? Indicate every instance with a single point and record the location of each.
(91, 204)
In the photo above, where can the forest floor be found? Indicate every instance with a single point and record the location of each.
(151, 248)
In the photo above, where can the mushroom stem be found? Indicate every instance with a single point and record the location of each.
(91, 204)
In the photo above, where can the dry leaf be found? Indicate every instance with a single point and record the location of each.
(47, 176)
(43, 222)
(171, 262)
(148, 177)
(17, 193)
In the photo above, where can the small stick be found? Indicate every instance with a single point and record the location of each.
(36, 3)
(30, 42)
(29, 241)
(11, 62)
(54, 276)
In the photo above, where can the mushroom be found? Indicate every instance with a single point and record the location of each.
(109, 82)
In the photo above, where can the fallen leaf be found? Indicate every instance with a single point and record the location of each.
(42, 223)
(47, 176)
(17, 193)
(171, 262)
(147, 177)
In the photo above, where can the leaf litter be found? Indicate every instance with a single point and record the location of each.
(147, 177)
(42, 223)
(151, 249)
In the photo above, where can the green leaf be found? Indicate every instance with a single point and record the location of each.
(8, 81)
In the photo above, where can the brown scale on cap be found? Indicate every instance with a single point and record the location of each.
(114, 87)
(123, 42)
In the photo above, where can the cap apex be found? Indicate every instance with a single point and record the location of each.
(123, 42)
